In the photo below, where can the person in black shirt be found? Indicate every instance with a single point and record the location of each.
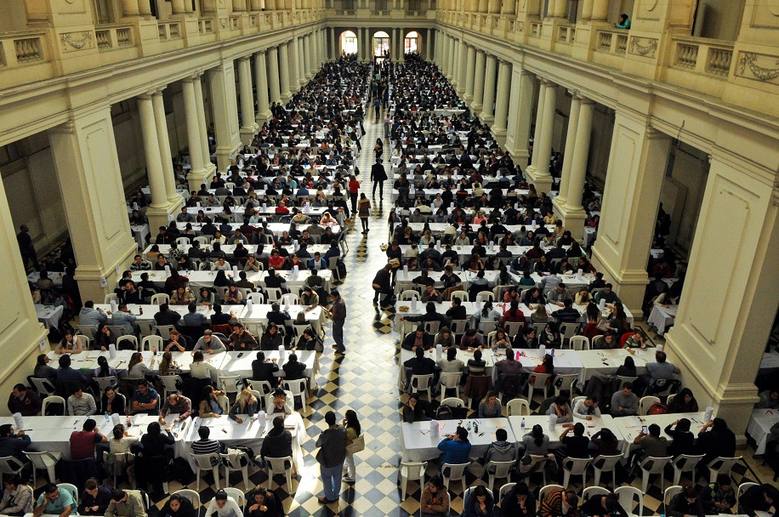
(263, 370)
(294, 369)
(567, 314)
(218, 317)
(382, 284)
(165, 316)
(419, 364)
(94, 499)
(457, 310)
(716, 439)
(423, 279)
(576, 445)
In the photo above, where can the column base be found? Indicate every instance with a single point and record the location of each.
(467, 98)
(262, 118)
(161, 216)
(196, 178)
(520, 156)
(573, 218)
(95, 282)
(248, 132)
(224, 157)
(476, 107)
(733, 402)
(486, 118)
(541, 179)
(630, 285)
(176, 202)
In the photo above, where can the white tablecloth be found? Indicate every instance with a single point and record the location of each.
(420, 444)
(553, 432)
(294, 279)
(49, 315)
(630, 426)
(662, 317)
(760, 426)
(140, 232)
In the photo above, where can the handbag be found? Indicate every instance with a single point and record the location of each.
(357, 445)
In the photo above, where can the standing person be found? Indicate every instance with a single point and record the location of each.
(338, 313)
(354, 189)
(26, 247)
(331, 456)
(376, 107)
(353, 430)
(364, 211)
(378, 176)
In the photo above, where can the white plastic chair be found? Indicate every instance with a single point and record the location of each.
(498, 470)
(567, 331)
(274, 294)
(537, 464)
(298, 388)
(485, 296)
(130, 339)
(685, 463)
(83, 340)
(151, 343)
(228, 382)
(53, 399)
(409, 295)
(43, 461)
(645, 403)
(512, 327)
(205, 463)
(42, 385)
(10, 465)
(450, 381)
(547, 488)
(110, 297)
(462, 295)
(453, 402)
(592, 491)
(505, 488)
(624, 379)
(237, 494)
(669, 399)
(575, 467)
(579, 343)
(669, 494)
(290, 299)
(721, 465)
(160, 298)
(192, 495)
(232, 463)
(538, 381)
(204, 240)
(743, 487)
(256, 298)
(279, 466)
(605, 464)
(117, 463)
(411, 471)
(87, 330)
(171, 384)
(458, 327)
(454, 472)
(653, 465)
(517, 407)
(565, 382)
(105, 382)
(422, 383)
(70, 488)
(432, 326)
(182, 241)
(164, 330)
(626, 494)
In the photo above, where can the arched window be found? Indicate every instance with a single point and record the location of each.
(348, 42)
(381, 45)
(411, 43)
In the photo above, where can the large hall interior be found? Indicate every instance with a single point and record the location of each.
(389, 257)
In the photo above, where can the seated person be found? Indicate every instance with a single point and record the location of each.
(417, 339)
(145, 399)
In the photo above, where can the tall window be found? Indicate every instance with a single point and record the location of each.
(411, 43)
(348, 42)
(381, 45)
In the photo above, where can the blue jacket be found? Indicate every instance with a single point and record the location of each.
(454, 451)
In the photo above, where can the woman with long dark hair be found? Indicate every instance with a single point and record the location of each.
(353, 431)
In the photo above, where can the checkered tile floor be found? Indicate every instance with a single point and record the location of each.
(366, 380)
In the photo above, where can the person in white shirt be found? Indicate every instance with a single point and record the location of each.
(586, 408)
(199, 369)
(223, 506)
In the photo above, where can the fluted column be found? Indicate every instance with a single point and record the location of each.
(292, 60)
(273, 74)
(487, 115)
(478, 82)
(248, 122)
(208, 166)
(502, 99)
(198, 171)
(542, 148)
(284, 70)
(301, 63)
(305, 45)
(570, 145)
(261, 86)
(151, 151)
(469, 72)
(539, 123)
(462, 68)
(520, 111)
(163, 139)
(574, 215)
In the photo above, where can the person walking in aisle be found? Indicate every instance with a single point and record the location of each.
(338, 313)
(331, 456)
(353, 431)
(354, 189)
(378, 175)
(364, 211)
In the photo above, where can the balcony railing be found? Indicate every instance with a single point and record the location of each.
(25, 48)
(708, 57)
(112, 37)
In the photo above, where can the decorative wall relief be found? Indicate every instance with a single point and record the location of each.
(758, 67)
(75, 41)
(644, 47)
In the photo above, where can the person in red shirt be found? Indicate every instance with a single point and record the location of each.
(276, 261)
(82, 443)
(354, 189)
(281, 208)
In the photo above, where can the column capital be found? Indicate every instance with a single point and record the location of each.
(243, 58)
(582, 99)
(262, 51)
(548, 82)
(146, 96)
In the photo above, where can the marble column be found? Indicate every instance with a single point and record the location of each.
(573, 213)
(286, 94)
(502, 100)
(166, 157)
(208, 165)
(334, 52)
(151, 149)
(248, 121)
(461, 67)
(198, 172)
(570, 145)
(469, 73)
(261, 87)
(273, 75)
(520, 114)
(478, 82)
(292, 60)
(429, 45)
(538, 172)
(224, 109)
(487, 114)
(90, 181)
(306, 61)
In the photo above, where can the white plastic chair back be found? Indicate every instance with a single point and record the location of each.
(409, 295)
(485, 296)
(10, 465)
(421, 383)
(149, 343)
(547, 488)
(498, 470)
(170, 383)
(518, 407)
(104, 382)
(280, 466)
(537, 464)
(70, 488)
(160, 298)
(580, 343)
(206, 462)
(565, 382)
(670, 493)
(182, 241)
(645, 403)
(130, 339)
(592, 491)
(164, 330)
(298, 388)
(505, 489)
(721, 465)
(192, 495)
(454, 472)
(274, 294)
(462, 295)
(685, 463)
(624, 379)
(513, 327)
(43, 461)
(110, 297)
(237, 495)
(410, 471)
(453, 402)
(538, 382)
(450, 381)
(603, 463)
(83, 340)
(290, 299)
(232, 463)
(626, 494)
(743, 487)
(256, 298)
(575, 467)
(567, 331)
(432, 326)
(653, 465)
(42, 385)
(53, 399)
(458, 327)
